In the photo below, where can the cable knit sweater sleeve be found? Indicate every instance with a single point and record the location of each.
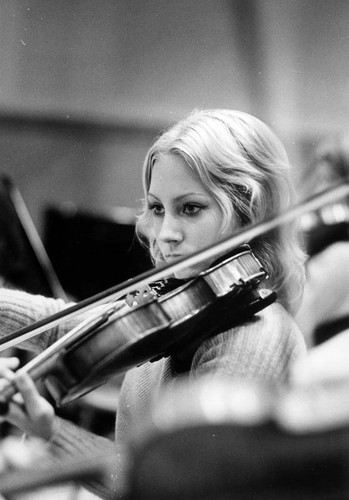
(20, 309)
(69, 442)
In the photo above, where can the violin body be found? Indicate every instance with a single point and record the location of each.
(92, 360)
(173, 324)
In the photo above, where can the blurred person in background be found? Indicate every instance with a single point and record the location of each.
(325, 307)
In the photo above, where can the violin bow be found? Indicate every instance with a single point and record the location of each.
(244, 235)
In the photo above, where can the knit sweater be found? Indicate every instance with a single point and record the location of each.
(261, 349)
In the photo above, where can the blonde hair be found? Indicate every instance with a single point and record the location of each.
(244, 166)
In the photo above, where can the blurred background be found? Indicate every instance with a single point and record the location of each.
(86, 85)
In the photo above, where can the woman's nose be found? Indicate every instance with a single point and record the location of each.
(170, 229)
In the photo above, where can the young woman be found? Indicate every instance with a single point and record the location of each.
(207, 176)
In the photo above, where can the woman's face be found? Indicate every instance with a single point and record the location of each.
(185, 217)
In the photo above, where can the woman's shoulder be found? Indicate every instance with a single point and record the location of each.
(277, 319)
(272, 322)
(263, 347)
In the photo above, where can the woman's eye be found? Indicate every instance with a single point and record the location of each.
(156, 208)
(191, 209)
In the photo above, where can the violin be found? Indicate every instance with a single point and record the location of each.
(115, 341)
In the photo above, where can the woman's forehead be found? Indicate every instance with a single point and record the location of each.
(172, 172)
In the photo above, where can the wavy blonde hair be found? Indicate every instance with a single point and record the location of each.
(244, 166)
